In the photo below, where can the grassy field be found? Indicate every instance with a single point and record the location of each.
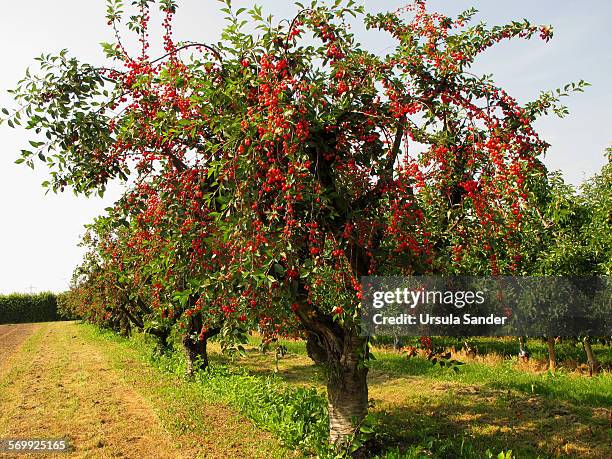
(65, 380)
(491, 404)
(113, 399)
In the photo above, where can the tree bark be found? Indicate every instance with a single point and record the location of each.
(347, 392)
(397, 342)
(552, 358)
(196, 348)
(161, 336)
(590, 356)
(196, 353)
(347, 388)
(125, 327)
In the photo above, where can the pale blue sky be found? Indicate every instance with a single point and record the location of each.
(39, 234)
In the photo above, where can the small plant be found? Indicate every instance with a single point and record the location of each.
(410, 351)
(435, 354)
(367, 435)
(502, 455)
(444, 360)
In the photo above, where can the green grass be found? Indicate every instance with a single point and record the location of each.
(491, 406)
(593, 391)
(419, 410)
(297, 416)
(568, 350)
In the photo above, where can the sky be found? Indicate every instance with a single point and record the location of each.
(39, 233)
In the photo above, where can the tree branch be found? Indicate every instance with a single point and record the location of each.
(189, 45)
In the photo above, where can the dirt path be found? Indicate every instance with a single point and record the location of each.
(63, 381)
(63, 387)
(11, 338)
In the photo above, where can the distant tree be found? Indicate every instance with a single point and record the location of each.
(596, 196)
(572, 234)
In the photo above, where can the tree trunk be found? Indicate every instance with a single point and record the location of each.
(552, 358)
(195, 341)
(196, 353)
(125, 327)
(397, 342)
(590, 357)
(347, 395)
(161, 335)
(523, 353)
(347, 388)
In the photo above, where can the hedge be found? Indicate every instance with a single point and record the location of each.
(19, 308)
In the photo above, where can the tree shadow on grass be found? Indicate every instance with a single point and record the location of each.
(299, 369)
(420, 404)
(457, 421)
(293, 368)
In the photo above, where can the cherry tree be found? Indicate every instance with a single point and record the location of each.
(305, 161)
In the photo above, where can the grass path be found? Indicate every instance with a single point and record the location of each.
(66, 382)
(11, 339)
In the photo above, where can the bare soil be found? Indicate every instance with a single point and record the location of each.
(11, 338)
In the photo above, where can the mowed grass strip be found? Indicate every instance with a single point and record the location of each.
(69, 382)
(11, 339)
(63, 387)
(200, 425)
